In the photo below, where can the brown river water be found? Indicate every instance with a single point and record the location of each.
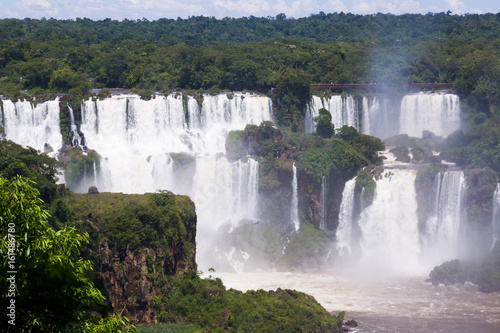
(386, 304)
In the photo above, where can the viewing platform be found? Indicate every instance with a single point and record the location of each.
(371, 86)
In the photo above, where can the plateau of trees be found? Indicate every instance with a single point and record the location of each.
(210, 55)
(318, 28)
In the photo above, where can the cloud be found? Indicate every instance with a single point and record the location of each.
(385, 6)
(336, 6)
(42, 7)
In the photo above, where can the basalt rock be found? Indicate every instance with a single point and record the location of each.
(137, 243)
(93, 190)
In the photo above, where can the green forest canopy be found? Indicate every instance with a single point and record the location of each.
(205, 53)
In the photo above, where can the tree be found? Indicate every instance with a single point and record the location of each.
(325, 126)
(48, 284)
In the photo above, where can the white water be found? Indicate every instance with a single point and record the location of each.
(389, 226)
(345, 229)
(496, 215)
(344, 111)
(435, 112)
(381, 117)
(135, 139)
(76, 140)
(443, 227)
(323, 208)
(34, 126)
(294, 205)
(135, 136)
(378, 117)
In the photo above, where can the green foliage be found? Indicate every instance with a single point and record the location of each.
(260, 241)
(160, 221)
(79, 167)
(27, 162)
(170, 328)
(483, 271)
(53, 289)
(253, 140)
(201, 30)
(490, 278)
(481, 185)
(324, 127)
(236, 145)
(365, 187)
(424, 181)
(452, 272)
(206, 303)
(306, 247)
(478, 148)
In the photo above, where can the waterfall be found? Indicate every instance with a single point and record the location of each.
(443, 226)
(435, 112)
(1, 113)
(135, 136)
(76, 140)
(389, 226)
(496, 215)
(95, 173)
(385, 116)
(378, 117)
(345, 229)
(34, 126)
(294, 206)
(323, 208)
(157, 144)
(344, 111)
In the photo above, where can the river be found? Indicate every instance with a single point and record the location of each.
(386, 303)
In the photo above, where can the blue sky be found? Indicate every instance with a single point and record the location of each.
(152, 10)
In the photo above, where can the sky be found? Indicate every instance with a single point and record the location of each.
(153, 10)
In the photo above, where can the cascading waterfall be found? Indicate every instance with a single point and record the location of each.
(389, 239)
(378, 117)
(346, 219)
(344, 111)
(435, 112)
(34, 126)
(134, 135)
(294, 206)
(137, 139)
(442, 228)
(76, 140)
(389, 226)
(496, 215)
(323, 208)
(95, 173)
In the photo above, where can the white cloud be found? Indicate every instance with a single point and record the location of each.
(362, 7)
(387, 6)
(336, 6)
(456, 6)
(43, 8)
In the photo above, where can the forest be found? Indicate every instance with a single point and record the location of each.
(42, 56)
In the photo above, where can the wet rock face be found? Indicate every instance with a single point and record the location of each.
(137, 243)
(127, 284)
